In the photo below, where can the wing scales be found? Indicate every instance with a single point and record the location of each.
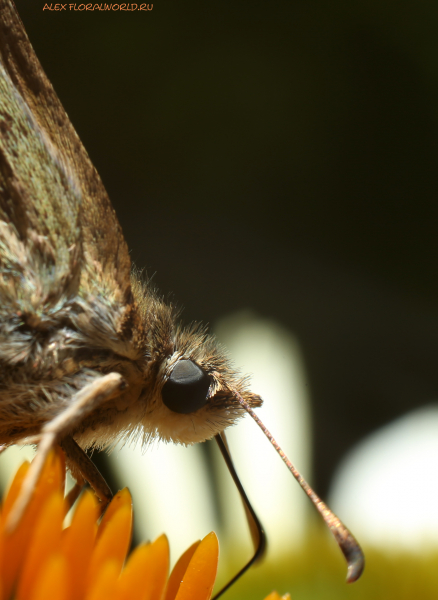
(49, 190)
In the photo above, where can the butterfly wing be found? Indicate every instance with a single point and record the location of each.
(53, 205)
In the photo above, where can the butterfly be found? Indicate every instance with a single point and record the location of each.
(89, 352)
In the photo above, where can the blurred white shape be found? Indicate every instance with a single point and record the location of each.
(386, 489)
(264, 349)
(170, 492)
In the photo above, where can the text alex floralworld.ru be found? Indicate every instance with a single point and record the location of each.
(103, 6)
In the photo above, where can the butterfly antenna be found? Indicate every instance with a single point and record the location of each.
(257, 533)
(346, 541)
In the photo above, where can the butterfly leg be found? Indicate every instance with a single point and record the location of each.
(87, 469)
(83, 403)
(75, 492)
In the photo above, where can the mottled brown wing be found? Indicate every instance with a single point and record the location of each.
(51, 196)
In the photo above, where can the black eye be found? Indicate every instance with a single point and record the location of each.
(186, 389)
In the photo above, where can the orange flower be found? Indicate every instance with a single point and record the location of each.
(86, 561)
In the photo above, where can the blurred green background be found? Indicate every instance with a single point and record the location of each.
(283, 157)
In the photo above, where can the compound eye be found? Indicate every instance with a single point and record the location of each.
(186, 389)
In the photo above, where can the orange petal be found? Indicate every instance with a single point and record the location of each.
(114, 542)
(45, 541)
(52, 581)
(51, 480)
(52, 477)
(77, 543)
(199, 578)
(2, 554)
(14, 488)
(145, 574)
(104, 586)
(178, 571)
(122, 498)
(12, 561)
